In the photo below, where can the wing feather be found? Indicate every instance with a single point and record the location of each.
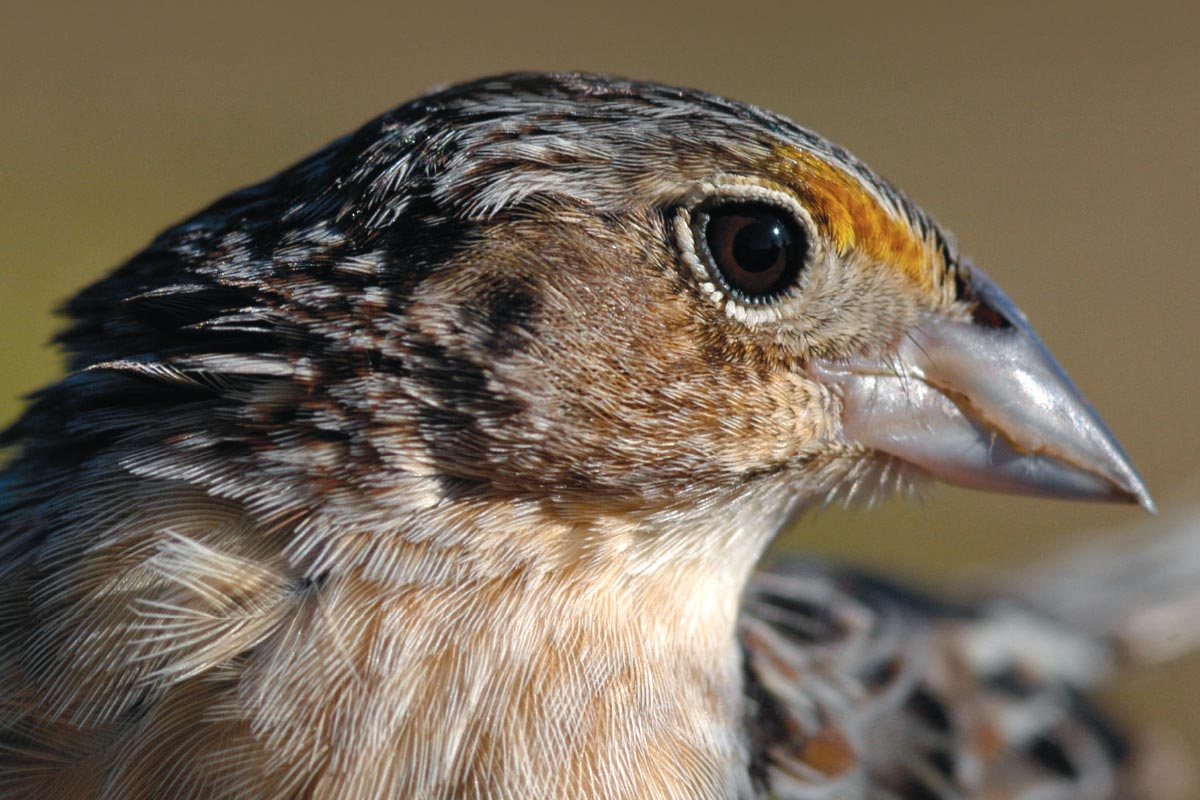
(858, 688)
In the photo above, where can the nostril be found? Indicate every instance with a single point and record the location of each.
(983, 314)
(988, 317)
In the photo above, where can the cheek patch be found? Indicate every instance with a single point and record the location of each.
(507, 310)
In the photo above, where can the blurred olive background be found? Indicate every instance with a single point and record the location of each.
(1061, 144)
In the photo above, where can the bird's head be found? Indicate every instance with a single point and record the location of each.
(571, 291)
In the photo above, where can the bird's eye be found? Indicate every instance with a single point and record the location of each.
(756, 250)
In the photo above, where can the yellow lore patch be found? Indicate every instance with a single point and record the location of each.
(853, 219)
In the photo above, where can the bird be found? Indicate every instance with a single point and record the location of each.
(442, 463)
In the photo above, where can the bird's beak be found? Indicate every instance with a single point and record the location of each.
(980, 402)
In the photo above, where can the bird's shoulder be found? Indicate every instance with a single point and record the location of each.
(858, 687)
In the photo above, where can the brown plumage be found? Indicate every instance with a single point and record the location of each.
(438, 466)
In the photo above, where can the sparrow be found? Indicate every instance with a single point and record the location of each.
(440, 465)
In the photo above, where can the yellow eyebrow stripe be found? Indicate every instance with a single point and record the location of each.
(851, 218)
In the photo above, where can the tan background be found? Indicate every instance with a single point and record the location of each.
(1061, 144)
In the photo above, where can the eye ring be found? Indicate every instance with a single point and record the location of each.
(754, 250)
(784, 297)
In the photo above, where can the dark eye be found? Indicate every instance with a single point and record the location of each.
(757, 250)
